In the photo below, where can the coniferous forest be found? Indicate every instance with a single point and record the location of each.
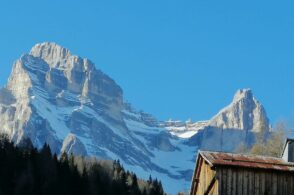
(26, 170)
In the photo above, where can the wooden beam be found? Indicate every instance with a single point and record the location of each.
(195, 179)
(212, 182)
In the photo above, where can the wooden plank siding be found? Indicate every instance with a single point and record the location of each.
(207, 183)
(240, 181)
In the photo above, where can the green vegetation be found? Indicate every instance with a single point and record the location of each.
(29, 171)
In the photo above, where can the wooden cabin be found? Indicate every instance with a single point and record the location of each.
(226, 173)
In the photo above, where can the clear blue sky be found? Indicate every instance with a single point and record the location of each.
(174, 59)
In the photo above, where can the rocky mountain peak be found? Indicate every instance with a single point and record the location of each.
(71, 72)
(52, 77)
(243, 94)
(51, 53)
(244, 113)
(59, 57)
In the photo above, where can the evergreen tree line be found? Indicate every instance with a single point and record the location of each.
(30, 171)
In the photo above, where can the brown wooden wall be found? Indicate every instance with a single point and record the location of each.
(206, 183)
(240, 181)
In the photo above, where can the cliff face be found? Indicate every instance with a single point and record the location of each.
(55, 97)
(244, 113)
(67, 72)
(44, 84)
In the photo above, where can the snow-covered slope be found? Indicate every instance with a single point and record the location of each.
(56, 97)
(183, 129)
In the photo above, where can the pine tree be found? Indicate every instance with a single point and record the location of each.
(40, 172)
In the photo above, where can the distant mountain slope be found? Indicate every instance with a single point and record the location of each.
(56, 97)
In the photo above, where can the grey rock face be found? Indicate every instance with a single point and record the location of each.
(61, 99)
(244, 113)
(72, 145)
(52, 74)
(6, 97)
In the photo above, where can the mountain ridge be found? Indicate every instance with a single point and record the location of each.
(55, 97)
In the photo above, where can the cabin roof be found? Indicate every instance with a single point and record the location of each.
(215, 159)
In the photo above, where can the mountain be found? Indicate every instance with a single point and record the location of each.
(61, 99)
(244, 113)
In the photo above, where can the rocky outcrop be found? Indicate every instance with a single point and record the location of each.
(244, 113)
(77, 75)
(72, 145)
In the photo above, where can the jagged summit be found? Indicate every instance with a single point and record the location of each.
(59, 57)
(51, 76)
(50, 47)
(244, 113)
(52, 53)
(63, 70)
(243, 94)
